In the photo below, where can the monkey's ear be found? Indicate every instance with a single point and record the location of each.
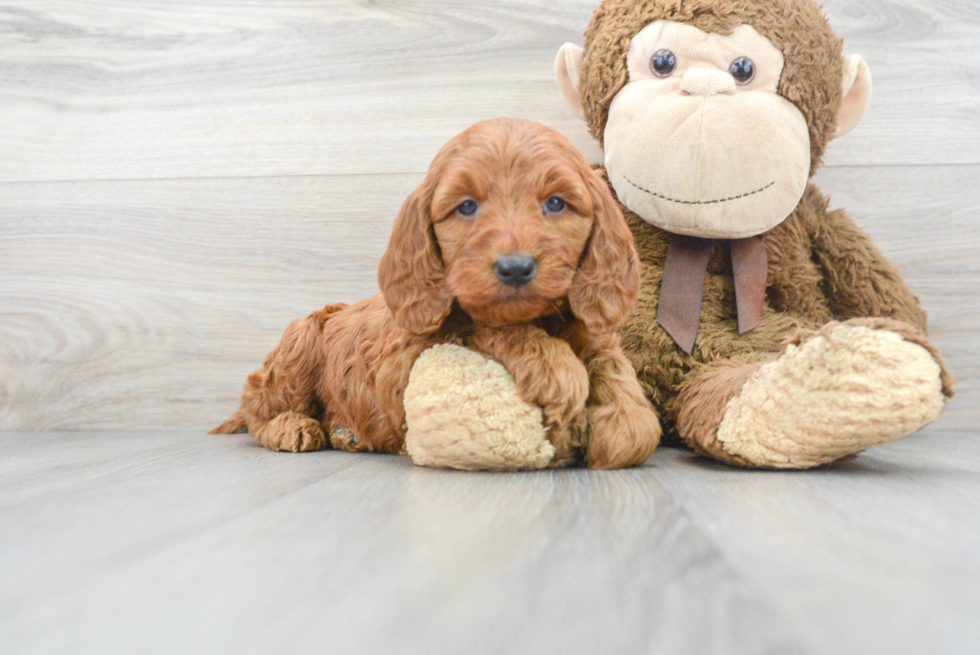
(568, 71)
(411, 274)
(606, 286)
(857, 94)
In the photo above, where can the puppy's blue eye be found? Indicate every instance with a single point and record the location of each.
(468, 208)
(554, 204)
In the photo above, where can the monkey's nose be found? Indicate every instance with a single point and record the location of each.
(707, 82)
(516, 269)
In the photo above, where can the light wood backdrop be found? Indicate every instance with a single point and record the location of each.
(180, 179)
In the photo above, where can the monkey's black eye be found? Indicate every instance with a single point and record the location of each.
(468, 208)
(554, 204)
(663, 63)
(743, 70)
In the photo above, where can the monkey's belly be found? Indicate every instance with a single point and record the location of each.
(662, 367)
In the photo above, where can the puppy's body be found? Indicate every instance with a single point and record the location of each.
(342, 366)
(537, 283)
(346, 367)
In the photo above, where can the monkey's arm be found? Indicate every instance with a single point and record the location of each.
(859, 280)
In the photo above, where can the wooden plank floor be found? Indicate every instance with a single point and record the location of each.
(180, 179)
(176, 542)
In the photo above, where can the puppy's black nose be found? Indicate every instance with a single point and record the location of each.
(516, 269)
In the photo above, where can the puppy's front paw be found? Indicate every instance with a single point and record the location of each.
(621, 434)
(559, 386)
(293, 433)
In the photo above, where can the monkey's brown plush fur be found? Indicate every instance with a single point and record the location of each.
(811, 77)
(822, 269)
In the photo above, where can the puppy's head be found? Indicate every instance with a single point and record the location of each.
(509, 221)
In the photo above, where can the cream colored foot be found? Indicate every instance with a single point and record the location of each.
(463, 412)
(847, 388)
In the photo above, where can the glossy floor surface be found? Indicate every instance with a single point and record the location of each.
(180, 543)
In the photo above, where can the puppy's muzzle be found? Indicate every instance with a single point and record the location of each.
(516, 269)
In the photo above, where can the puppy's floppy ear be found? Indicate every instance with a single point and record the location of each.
(605, 288)
(411, 273)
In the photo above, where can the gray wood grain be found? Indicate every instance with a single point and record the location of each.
(138, 304)
(177, 542)
(129, 542)
(126, 303)
(179, 180)
(881, 554)
(133, 303)
(130, 90)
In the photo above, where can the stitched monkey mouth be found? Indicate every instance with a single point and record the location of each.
(698, 202)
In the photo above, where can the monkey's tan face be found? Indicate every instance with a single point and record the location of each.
(699, 142)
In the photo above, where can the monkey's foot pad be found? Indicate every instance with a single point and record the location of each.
(838, 392)
(463, 412)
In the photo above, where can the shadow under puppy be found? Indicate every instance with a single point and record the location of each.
(511, 247)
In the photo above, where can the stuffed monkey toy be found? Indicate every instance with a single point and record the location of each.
(771, 332)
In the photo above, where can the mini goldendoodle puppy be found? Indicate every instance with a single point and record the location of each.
(511, 246)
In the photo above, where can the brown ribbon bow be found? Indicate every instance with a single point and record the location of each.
(682, 287)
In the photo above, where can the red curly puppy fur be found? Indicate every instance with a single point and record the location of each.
(506, 191)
